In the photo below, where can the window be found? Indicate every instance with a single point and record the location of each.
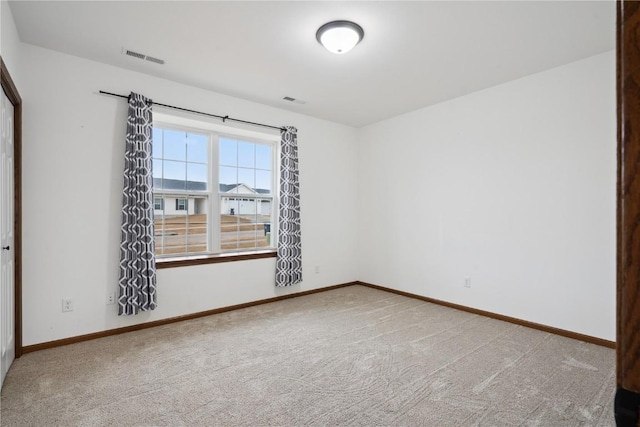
(158, 203)
(181, 204)
(246, 170)
(213, 193)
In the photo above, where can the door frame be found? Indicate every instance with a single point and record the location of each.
(14, 97)
(627, 400)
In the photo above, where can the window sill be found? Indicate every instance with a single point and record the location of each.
(213, 259)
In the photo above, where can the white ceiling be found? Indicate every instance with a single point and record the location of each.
(414, 54)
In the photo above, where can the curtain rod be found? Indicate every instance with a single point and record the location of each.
(224, 118)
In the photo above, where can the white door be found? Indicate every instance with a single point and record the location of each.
(7, 297)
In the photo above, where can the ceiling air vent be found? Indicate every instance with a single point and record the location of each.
(156, 60)
(143, 56)
(134, 54)
(297, 101)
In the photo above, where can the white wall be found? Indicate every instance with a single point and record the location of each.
(9, 42)
(73, 155)
(513, 186)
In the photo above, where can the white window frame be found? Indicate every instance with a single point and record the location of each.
(216, 131)
(182, 204)
(155, 207)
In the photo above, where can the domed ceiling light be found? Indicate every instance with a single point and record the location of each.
(340, 36)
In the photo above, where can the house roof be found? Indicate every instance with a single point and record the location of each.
(178, 185)
(228, 188)
(181, 185)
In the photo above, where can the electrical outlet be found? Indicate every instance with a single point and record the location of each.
(317, 269)
(111, 299)
(467, 282)
(67, 304)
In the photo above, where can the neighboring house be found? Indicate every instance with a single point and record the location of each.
(241, 203)
(167, 200)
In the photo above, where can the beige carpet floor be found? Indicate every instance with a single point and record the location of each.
(349, 356)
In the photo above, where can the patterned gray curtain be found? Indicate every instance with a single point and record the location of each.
(289, 261)
(137, 250)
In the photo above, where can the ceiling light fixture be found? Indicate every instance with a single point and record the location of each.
(340, 36)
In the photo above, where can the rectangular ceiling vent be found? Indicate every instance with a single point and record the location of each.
(134, 54)
(297, 101)
(143, 56)
(156, 60)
